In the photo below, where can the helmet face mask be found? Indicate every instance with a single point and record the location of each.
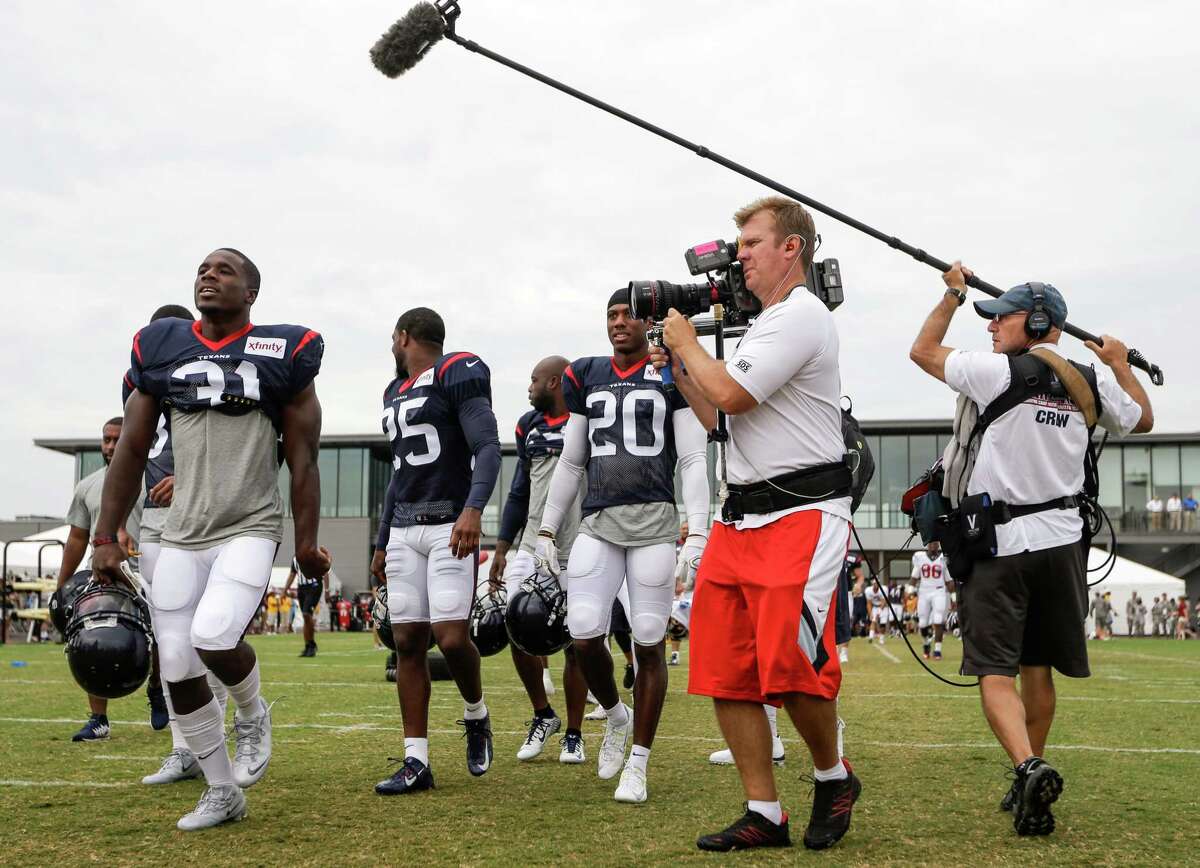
(381, 620)
(109, 640)
(62, 601)
(536, 616)
(487, 626)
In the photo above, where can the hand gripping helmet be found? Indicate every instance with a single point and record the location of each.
(381, 620)
(537, 616)
(109, 640)
(487, 625)
(63, 599)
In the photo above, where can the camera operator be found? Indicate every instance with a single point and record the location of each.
(1023, 609)
(763, 608)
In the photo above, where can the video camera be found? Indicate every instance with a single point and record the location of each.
(717, 260)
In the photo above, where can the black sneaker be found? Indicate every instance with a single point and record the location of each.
(312, 650)
(1014, 793)
(752, 829)
(479, 744)
(833, 802)
(628, 679)
(159, 716)
(413, 776)
(96, 729)
(1040, 787)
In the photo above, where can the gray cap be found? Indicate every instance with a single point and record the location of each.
(1020, 298)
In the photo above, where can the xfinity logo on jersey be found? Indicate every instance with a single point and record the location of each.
(273, 347)
(651, 373)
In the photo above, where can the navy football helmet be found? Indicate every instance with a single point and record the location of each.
(536, 616)
(487, 625)
(381, 621)
(63, 599)
(109, 640)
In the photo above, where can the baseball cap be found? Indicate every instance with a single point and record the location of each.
(1020, 298)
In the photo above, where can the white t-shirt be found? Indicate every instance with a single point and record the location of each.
(932, 572)
(788, 361)
(1154, 505)
(1174, 504)
(1034, 452)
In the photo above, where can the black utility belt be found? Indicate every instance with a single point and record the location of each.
(799, 488)
(968, 534)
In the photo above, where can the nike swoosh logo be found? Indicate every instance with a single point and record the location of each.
(472, 364)
(257, 768)
(207, 755)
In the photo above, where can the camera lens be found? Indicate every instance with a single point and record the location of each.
(651, 299)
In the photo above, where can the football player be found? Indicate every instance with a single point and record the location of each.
(933, 595)
(627, 431)
(180, 764)
(437, 413)
(82, 517)
(309, 590)
(881, 615)
(232, 389)
(539, 438)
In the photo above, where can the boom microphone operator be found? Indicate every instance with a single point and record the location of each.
(410, 38)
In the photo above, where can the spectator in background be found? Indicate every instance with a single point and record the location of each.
(1181, 619)
(1096, 610)
(1130, 613)
(1157, 616)
(1172, 616)
(1139, 618)
(272, 612)
(1189, 513)
(1154, 511)
(1174, 512)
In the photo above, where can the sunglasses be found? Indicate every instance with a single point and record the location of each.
(996, 317)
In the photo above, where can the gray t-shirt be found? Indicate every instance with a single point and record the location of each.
(85, 506)
(153, 519)
(541, 470)
(226, 480)
(634, 524)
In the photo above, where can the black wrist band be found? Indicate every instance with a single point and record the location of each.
(958, 294)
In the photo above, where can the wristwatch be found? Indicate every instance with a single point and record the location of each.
(958, 294)
(104, 540)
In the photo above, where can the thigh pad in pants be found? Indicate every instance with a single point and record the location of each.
(595, 573)
(650, 578)
(239, 576)
(182, 577)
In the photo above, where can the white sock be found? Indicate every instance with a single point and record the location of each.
(417, 748)
(246, 695)
(937, 646)
(177, 740)
(639, 757)
(219, 691)
(771, 810)
(772, 719)
(618, 715)
(475, 710)
(204, 731)
(837, 773)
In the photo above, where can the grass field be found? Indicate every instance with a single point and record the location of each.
(1127, 742)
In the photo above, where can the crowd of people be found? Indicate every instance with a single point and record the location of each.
(1176, 514)
(1169, 617)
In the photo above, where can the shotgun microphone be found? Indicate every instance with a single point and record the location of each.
(410, 38)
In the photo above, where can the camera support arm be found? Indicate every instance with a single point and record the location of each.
(451, 13)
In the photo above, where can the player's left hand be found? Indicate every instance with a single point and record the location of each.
(464, 539)
(693, 548)
(678, 330)
(163, 493)
(125, 541)
(314, 561)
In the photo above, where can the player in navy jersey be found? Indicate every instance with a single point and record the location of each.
(437, 413)
(231, 390)
(627, 432)
(180, 764)
(539, 439)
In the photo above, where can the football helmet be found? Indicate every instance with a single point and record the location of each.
(487, 625)
(109, 640)
(381, 620)
(536, 616)
(676, 631)
(63, 599)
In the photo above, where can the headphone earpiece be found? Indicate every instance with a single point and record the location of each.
(1037, 321)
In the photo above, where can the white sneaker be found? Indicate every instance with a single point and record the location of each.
(612, 749)
(632, 787)
(725, 757)
(572, 750)
(597, 713)
(253, 750)
(592, 698)
(674, 661)
(841, 727)
(548, 682)
(180, 765)
(540, 729)
(217, 805)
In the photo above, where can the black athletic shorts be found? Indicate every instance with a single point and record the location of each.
(841, 611)
(1026, 609)
(309, 597)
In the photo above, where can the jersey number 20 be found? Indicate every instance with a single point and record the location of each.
(629, 430)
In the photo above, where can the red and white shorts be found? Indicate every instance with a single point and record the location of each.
(763, 610)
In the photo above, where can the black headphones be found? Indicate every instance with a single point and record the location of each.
(1037, 321)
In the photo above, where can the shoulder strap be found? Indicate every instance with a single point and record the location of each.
(1083, 393)
(1027, 375)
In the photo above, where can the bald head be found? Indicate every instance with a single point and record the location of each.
(545, 386)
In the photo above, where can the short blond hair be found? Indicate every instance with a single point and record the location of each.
(790, 219)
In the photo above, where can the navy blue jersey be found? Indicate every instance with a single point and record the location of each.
(537, 436)
(631, 435)
(160, 463)
(445, 449)
(256, 368)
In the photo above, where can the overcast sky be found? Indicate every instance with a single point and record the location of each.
(1048, 141)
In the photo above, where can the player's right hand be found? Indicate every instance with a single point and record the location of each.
(496, 573)
(545, 552)
(377, 563)
(106, 564)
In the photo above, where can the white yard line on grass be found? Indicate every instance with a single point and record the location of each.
(1154, 657)
(82, 784)
(886, 653)
(974, 697)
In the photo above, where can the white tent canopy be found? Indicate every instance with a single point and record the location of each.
(1126, 577)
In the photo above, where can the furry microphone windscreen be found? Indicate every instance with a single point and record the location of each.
(406, 41)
